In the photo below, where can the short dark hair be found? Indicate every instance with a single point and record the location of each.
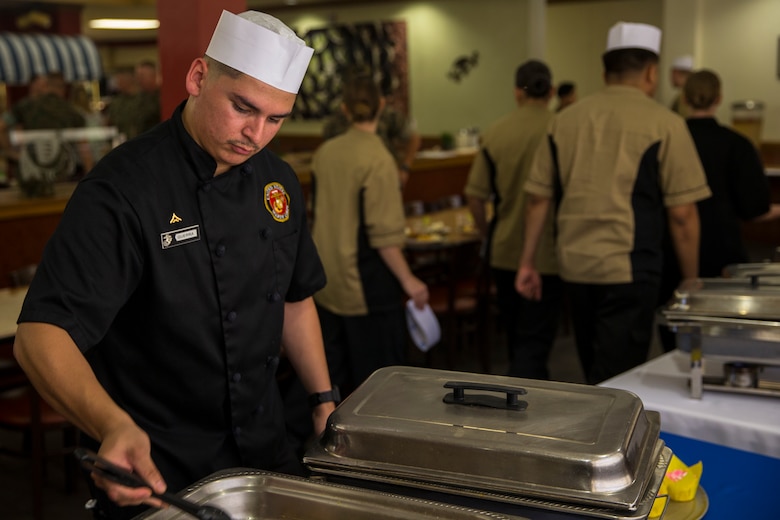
(221, 69)
(627, 61)
(566, 88)
(534, 78)
(702, 89)
(362, 98)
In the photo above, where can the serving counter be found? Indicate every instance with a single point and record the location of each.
(433, 176)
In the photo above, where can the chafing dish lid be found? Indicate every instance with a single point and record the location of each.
(739, 298)
(573, 442)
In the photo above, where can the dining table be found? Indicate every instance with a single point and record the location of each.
(443, 229)
(444, 249)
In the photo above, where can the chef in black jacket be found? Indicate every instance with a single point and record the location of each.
(180, 269)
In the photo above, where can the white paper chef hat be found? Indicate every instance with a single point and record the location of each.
(625, 35)
(684, 62)
(423, 326)
(261, 46)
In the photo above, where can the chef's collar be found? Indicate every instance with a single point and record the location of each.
(203, 163)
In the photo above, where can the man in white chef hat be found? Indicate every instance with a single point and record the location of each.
(681, 69)
(619, 167)
(181, 266)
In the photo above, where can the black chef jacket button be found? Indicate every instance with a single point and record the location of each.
(266, 233)
(231, 316)
(274, 296)
(247, 169)
(237, 377)
(237, 431)
(259, 409)
(220, 250)
(207, 188)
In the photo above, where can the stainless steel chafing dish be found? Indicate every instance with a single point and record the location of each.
(250, 494)
(521, 447)
(734, 319)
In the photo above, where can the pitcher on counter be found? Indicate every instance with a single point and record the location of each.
(621, 167)
(181, 267)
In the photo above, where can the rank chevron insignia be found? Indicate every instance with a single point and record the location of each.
(175, 218)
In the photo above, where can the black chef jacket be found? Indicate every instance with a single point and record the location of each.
(173, 282)
(740, 192)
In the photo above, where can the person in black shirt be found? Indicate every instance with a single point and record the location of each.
(181, 268)
(740, 188)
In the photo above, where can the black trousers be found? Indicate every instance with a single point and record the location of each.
(530, 325)
(613, 326)
(356, 346)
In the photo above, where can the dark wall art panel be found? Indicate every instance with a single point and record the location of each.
(378, 48)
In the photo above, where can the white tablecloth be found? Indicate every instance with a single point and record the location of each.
(744, 422)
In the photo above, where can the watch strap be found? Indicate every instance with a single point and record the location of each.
(318, 398)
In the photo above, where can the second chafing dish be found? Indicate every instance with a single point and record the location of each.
(734, 319)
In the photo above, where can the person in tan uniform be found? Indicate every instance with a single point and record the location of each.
(679, 72)
(358, 227)
(625, 167)
(497, 175)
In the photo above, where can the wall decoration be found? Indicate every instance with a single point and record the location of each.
(462, 66)
(378, 48)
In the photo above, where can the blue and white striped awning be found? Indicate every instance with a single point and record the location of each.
(22, 56)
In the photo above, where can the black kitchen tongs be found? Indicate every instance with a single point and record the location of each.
(99, 466)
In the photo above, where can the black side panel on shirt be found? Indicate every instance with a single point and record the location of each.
(381, 289)
(649, 221)
(497, 199)
(557, 182)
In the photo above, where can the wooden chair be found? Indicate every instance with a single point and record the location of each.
(461, 301)
(23, 411)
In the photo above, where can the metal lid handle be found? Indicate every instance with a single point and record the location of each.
(458, 395)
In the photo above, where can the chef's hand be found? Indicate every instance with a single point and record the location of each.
(416, 290)
(688, 285)
(528, 283)
(128, 446)
(320, 415)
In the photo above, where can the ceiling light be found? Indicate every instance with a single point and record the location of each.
(123, 23)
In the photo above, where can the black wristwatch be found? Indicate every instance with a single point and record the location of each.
(325, 397)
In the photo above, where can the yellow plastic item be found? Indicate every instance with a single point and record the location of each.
(679, 484)
(682, 481)
(659, 505)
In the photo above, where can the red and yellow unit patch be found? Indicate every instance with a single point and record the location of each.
(277, 201)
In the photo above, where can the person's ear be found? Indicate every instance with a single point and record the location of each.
(196, 76)
(651, 74)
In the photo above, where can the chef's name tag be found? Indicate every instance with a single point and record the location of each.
(179, 237)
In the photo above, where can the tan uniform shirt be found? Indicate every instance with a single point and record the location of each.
(621, 157)
(357, 206)
(500, 170)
